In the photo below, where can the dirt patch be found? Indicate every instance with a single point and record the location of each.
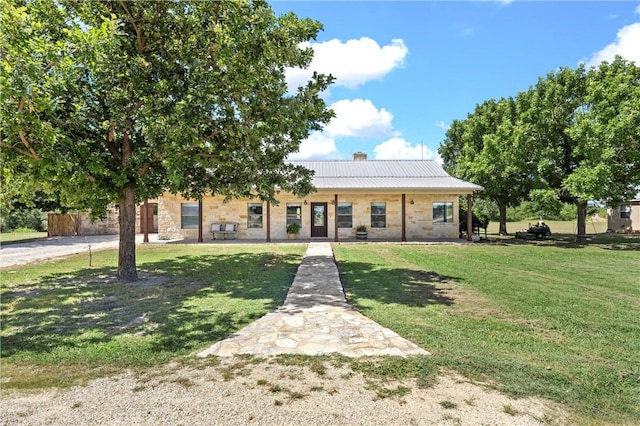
(236, 392)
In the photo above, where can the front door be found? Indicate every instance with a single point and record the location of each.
(151, 223)
(319, 220)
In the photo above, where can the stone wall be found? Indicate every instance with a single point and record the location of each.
(108, 226)
(418, 221)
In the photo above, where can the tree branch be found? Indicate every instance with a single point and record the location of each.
(139, 40)
(32, 152)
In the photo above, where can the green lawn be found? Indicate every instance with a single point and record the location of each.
(62, 323)
(550, 319)
(558, 321)
(19, 237)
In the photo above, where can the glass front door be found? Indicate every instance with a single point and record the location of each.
(319, 220)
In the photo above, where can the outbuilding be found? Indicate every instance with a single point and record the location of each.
(626, 217)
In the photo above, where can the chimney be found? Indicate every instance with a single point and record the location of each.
(359, 156)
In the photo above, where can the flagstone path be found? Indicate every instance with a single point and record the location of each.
(315, 319)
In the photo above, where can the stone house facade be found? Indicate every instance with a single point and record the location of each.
(398, 200)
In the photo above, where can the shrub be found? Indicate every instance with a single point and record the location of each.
(32, 219)
(293, 228)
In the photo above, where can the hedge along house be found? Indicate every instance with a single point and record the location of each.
(397, 200)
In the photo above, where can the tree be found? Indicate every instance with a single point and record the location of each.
(118, 101)
(586, 127)
(488, 148)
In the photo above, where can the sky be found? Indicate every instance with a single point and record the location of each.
(405, 70)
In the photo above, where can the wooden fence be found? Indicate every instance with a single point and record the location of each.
(63, 225)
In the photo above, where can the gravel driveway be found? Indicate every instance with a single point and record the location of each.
(36, 251)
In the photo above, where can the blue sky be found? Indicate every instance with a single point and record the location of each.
(406, 70)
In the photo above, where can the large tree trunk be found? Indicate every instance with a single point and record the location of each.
(582, 222)
(127, 251)
(503, 219)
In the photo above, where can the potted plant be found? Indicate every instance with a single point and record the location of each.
(292, 230)
(361, 232)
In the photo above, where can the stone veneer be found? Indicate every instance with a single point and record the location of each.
(418, 221)
(107, 226)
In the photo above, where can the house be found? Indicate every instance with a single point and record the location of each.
(397, 200)
(626, 217)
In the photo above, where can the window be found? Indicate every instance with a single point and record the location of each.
(625, 211)
(378, 215)
(254, 216)
(189, 213)
(442, 212)
(345, 215)
(294, 214)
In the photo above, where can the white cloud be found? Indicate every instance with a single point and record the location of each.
(317, 146)
(360, 118)
(638, 9)
(352, 63)
(400, 149)
(442, 125)
(626, 45)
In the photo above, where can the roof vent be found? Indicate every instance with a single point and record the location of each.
(359, 156)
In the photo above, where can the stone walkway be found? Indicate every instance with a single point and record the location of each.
(315, 319)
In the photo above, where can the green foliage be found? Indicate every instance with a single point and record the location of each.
(116, 102)
(32, 219)
(293, 228)
(585, 123)
(571, 138)
(485, 209)
(488, 148)
(529, 210)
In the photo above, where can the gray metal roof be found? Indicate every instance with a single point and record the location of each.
(384, 174)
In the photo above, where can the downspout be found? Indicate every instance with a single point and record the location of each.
(404, 219)
(268, 222)
(146, 221)
(200, 220)
(335, 218)
(469, 218)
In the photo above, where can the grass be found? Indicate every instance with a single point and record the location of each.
(551, 319)
(548, 319)
(20, 237)
(63, 323)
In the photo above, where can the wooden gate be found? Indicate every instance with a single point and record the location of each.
(62, 225)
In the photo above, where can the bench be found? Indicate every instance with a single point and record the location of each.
(224, 229)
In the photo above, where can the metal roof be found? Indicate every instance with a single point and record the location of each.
(384, 174)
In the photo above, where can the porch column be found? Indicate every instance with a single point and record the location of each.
(469, 218)
(200, 220)
(335, 214)
(145, 221)
(404, 219)
(268, 222)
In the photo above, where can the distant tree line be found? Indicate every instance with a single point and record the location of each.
(571, 138)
